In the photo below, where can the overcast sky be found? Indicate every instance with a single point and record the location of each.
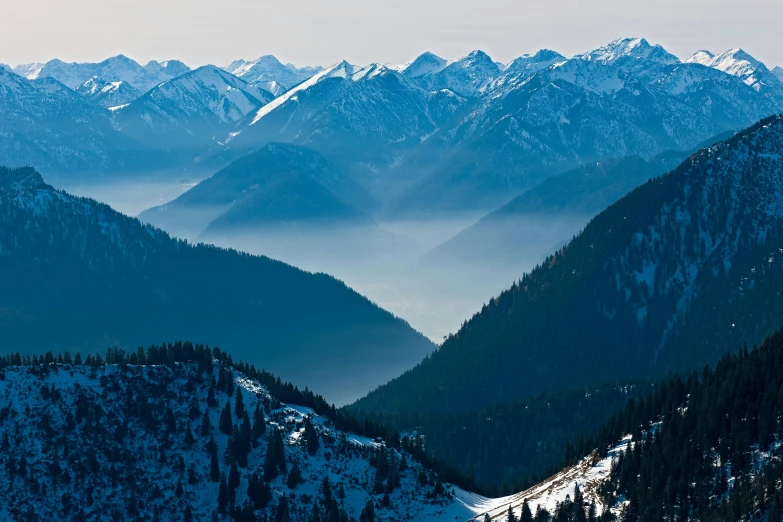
(325, 31)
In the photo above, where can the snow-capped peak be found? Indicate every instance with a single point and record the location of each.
(702, 57)
(737, 62)
(340, 70)
(269, 73)
(466, 76)
(370, 71)
(542, 56)
(228, 97)
(476, 57)
(31, 71)
(233, 66)
(637, 48)
(425, 63)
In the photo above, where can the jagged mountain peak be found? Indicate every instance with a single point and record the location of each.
(207, 88)
(741, 64)
(636, 48)
(29, 70)
(475, 57)
(702, 57)
(168, 68)
(270, 73)
(112, 95)
(425, 63)
(467, 76)
(778, 71)
(539, 56)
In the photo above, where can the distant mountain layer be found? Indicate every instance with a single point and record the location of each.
(279, 187)
(115, 69)
(187, 114)
(38, 128)
(362, 119)
(428, 136)
(685, 267)
(562, 203)
(626, 98)
(79, 275)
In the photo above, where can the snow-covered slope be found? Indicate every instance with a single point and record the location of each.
(630, 48)
(778, 71)
(108, 94)
(527, 65)
(29, 70)
(425, 64)
(268, 73)
(737, 62)
(145, 440)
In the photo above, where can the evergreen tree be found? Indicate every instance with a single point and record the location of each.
(368, 513)
(239, 404)
(214, 468)
(206, 424)
(310, 437)
(281, 513)
(526, 515)
(294, 476)
(229, 383)
(226, 423)
(211, 399)
(259, 424)
(223, 495)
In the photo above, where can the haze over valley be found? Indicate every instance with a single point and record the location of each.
(540, 289)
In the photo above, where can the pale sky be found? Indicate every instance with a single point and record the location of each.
(322, 32)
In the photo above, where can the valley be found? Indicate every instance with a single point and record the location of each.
(541, 289)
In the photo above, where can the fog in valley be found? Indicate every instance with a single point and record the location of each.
(131, 196)
(435, 273)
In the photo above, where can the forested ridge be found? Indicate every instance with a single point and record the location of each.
(76, 275)
(182, 432)
(705, 446)
(681, 270)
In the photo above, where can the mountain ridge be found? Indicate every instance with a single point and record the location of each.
(95, 274)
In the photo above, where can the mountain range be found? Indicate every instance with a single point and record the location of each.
(431, 135)
(680, 270)
(186, 115)
(80, 276)
(116, 69)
